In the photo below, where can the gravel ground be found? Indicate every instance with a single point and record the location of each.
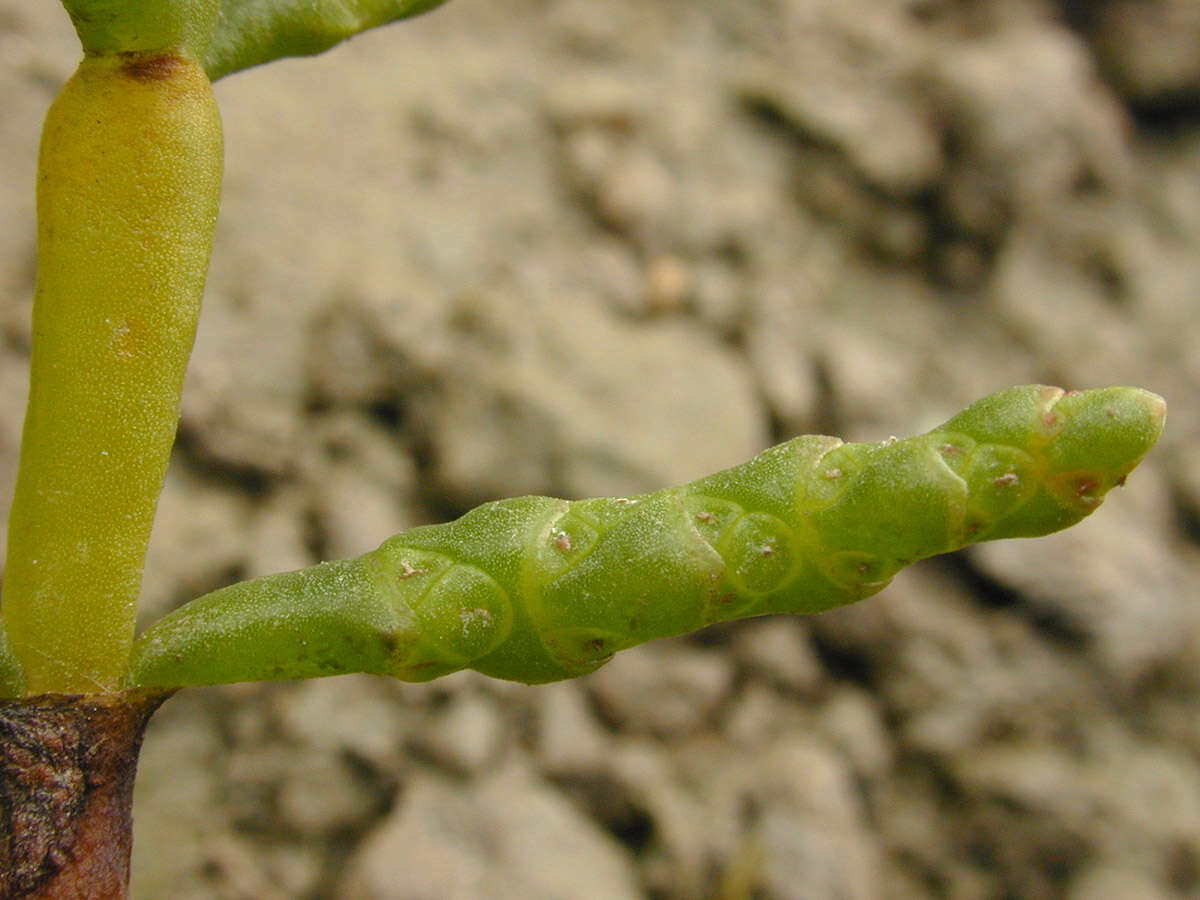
(578, 248)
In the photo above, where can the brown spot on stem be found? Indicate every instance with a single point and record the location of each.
(151, 66)
(1086, 488)
(408, 571)
(128, 338)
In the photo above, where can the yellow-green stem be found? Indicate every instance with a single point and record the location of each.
(128, 187)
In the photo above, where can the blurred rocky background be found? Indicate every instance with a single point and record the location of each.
(571, 247)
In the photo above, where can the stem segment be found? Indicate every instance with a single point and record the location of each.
(128, 187)
(67, 766)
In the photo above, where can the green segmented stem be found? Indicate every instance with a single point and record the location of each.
(252, 32)
(129, 26)
(129, 180)
(536, 589)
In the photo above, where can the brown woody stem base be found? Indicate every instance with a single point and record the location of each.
(67, 766)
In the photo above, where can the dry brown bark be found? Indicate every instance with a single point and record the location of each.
(67, 767)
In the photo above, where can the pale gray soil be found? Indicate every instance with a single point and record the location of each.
(582, 248)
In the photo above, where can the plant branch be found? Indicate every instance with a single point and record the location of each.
(129, 179)
(67, 767)
(536, 589)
